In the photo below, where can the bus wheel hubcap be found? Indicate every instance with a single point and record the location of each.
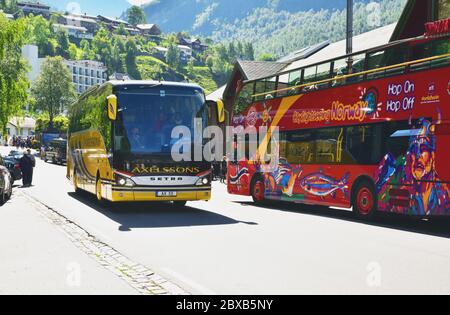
(365, 201)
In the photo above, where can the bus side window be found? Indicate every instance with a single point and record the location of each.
(397, 146)
(329, 145)
(363, 145)
(298, 147)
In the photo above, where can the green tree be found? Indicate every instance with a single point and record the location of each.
(53, 90)
(190, 66)
(13, 70)
(249, 51)
(63, 44)
(121, 30)
(40, 33)
(9, 6)
(87, 54)
(102, 47)
(60, 123)
(130, 59)
(267, 57)
(232, 52)
(210, 62)
(173, 56)
(73, 52)
(135, 16)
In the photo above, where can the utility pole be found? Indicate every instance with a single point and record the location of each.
(350, 33)
(349, 26)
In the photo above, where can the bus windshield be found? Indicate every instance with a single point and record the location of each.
(146, 118)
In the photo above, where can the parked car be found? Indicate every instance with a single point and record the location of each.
(13, 165)
(6, 183)
(15, 154)
(56, 151)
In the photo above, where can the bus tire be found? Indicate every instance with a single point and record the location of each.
(10, 191)
(364, 200)
(3, 198)
(75, 183)
(257, 189)
(98, 189)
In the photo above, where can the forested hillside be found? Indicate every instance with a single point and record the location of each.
(275, 26)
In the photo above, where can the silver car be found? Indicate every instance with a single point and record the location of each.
(6, 183)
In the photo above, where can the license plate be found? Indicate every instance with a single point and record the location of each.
(166, 194)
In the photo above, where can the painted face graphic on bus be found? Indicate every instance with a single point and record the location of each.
(422, 152)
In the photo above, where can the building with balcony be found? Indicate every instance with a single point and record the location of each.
(86, 73)
(79, 32)
(34, 8)
(149, 29)
(86, 21)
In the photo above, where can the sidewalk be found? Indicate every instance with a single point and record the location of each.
(37, 258)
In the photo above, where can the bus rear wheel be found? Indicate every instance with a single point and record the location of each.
(257, 190)
(364, 201)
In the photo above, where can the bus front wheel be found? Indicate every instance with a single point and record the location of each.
(98, 189)
(364, 200)
(257, 190)
(75, 183)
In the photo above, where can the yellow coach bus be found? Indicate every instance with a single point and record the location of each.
(120, 142)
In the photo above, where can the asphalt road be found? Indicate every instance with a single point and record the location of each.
(229, 246)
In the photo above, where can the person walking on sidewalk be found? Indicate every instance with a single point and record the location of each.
(27, 163)
(224, 170)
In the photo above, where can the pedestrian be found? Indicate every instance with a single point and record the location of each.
(27, 163)
(223, 169)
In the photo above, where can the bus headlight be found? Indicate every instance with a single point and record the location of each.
(204, 181)
(124, 181)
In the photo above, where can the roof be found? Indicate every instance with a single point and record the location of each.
(80, 19)
(253, 70)
(153, 83)
(217, 94)
(33, 4)
(184, 47)
(191, 40)
(23, 122)
(71, 27)
(117, 76)
(110, 19)
(146, 26)
(365, 41)
(84, 15)
(304, 52)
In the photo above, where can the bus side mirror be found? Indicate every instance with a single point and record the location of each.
(220, 111)
(112, 107)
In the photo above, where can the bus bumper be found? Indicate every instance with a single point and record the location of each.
(136, 194)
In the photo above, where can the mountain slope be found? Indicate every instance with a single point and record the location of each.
(201, 15)
(274, 26)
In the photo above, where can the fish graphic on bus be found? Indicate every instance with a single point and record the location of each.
(321, 185)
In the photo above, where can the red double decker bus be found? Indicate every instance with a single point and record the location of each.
(370, 130)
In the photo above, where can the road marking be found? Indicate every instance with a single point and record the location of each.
(191, 283)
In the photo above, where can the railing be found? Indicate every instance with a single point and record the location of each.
(357, 74)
